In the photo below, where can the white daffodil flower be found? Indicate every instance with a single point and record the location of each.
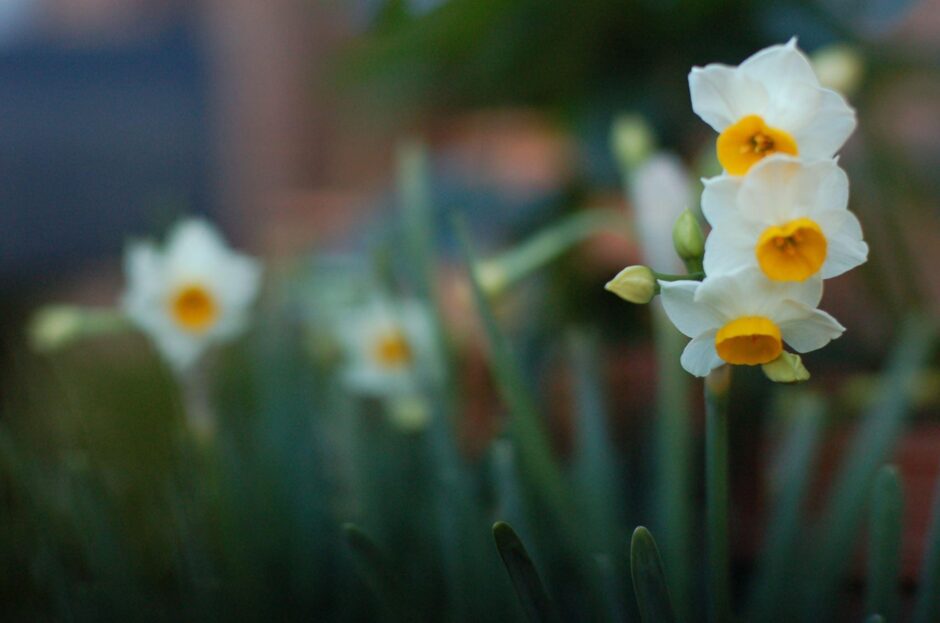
(389, 348)
(771, 103)
(788, 218)
(660, 191)
(742, 318)
(194, 292)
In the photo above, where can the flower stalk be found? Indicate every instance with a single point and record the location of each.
(717, 494)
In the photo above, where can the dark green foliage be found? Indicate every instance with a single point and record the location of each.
(649, 582)
(525, 579)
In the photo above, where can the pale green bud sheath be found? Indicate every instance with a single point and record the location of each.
(840, 67)
(58, 326)
(689, 241)
(787, 368)
(632, 141)
(634, 284)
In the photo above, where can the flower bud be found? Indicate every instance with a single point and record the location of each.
(492, 277)
(839, 67)
(787, 368)
(409, 414)
(687, 238)
(631, 140)
(634, 284)
(55, 327)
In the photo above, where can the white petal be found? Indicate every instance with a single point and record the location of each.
(846, 248)
(700, 357)
(720, 199)
(747, 292)
(194, 247)
(809, 329)
(768, 192)
(690, 317)
(730, 246)
(822, 187)
(238, 280)
(778, 65)
(721, 95)
(826, 131)
(179, 349)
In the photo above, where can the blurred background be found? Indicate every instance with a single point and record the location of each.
(286, 121)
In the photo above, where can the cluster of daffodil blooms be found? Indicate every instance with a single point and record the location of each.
(779, 217)
(195, 292)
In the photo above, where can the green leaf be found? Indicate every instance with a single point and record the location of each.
(374, 570)
(525, 424)
(649, 583)
(927, 609)
(879, 431)
(792, 471)
(884, 556)
(525, 578)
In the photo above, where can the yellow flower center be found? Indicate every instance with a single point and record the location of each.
(194, 308)
(749, 341)
(748, 141)
(794, 251)
(392, 350)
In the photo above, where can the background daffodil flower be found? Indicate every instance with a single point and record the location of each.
(389, 348)
(194, 292)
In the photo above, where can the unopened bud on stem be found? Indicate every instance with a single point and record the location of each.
(689, 241)
(632, 141)
(635, 284)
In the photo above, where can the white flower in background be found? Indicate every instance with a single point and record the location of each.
(743, 318)
(660, 191)
(770, 103)
(194, 292)
(389, 348)
(787, 218)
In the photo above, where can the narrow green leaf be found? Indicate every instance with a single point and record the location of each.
(879, 430)
(525, 578)
(792, 471)
(649, 583)
(548, 244)
(525, 425)
(373, 568)
(595, 465)
(884, 556)
(927, 609)
(537, 465)
(414, 196)
(598, 471)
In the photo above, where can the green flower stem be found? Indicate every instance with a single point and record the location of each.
(696, 276)
(673, 488)
(695, 266)
(497, 274)
(200, 414)
(716, 494)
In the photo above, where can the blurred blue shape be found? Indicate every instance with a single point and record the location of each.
(16, 17)
(96, 144)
